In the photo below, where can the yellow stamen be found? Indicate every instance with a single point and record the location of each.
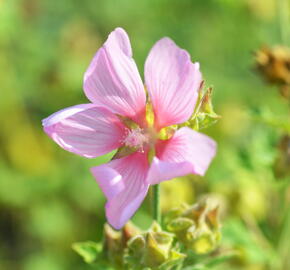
(149, 115)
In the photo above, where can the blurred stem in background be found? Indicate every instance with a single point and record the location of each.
(283, 17)
(156, 203)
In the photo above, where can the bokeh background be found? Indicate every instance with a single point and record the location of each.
(49, 199)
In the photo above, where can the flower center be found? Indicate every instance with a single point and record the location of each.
(136, 138)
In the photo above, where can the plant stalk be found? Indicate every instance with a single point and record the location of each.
(156, 203)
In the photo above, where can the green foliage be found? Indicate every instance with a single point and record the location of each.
(268, 117)
(48, 198)
(89, 250)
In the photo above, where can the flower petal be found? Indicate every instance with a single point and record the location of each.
(172, 81)
(123, 182)
(187, 151)
(113, 80)
(85, 129)
(161, 170)
(109, 180)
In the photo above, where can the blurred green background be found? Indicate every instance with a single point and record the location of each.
(49, 199)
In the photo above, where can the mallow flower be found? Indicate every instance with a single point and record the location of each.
(141, 122)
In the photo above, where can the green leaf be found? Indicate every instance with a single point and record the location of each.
(89, 250)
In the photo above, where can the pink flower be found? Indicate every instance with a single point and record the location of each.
(116, 118)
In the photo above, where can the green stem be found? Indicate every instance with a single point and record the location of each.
(283, 17)
(156, 203)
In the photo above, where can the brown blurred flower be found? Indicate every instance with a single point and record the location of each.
(274, 66)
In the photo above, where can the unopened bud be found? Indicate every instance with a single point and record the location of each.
(204, 116)
(180, 224)
(115, 242)
(152, 249)
(197, 227)
(137, 244)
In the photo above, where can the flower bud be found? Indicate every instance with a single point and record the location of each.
(137, 244)
(111, 252)
(204, 116)
(152, 249)
(175, 212)
(197, 227)
(115, 242)
(180, 224)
